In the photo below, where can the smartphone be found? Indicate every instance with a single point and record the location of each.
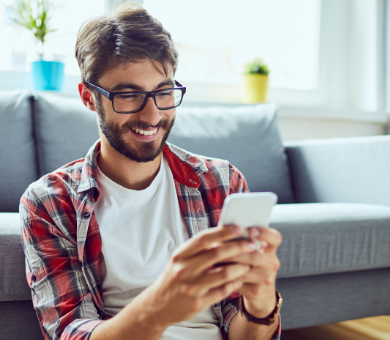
(248, 210)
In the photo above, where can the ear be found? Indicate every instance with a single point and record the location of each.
(87, 96)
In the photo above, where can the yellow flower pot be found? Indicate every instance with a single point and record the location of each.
(255, 88)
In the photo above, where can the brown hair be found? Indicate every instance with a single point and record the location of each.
(129, 34)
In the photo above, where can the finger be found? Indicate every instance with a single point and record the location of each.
(215, 255)
(271, 236)
(257, 258)
(252, 259)
(206, 238)
(219, 276)
(254, 232)
(216, 295)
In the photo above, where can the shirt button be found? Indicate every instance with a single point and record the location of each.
(33, 278)
(86, 214)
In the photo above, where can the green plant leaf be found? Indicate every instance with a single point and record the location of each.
(23, 14)
(257, 66)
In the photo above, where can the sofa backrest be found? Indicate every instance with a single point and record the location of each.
(18, 167)
(65, 130)
(247, 136)
(348, 170)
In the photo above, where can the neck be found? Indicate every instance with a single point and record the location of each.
(127, 173)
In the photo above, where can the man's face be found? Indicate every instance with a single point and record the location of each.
(153, 125)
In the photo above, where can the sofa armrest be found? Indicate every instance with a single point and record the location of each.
(354, 170)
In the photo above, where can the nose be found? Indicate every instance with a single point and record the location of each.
(150, 113)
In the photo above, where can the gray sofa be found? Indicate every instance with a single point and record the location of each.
(334, 195)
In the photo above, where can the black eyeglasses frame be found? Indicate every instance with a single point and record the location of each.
(111, 96)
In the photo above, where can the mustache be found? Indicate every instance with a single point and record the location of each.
(163, 123)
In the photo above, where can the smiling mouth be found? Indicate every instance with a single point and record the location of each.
(144, 132)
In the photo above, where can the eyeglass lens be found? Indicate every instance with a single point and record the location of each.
(129, 102)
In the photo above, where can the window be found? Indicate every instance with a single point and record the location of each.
(18, 48)
(215, 38)
(322, 54)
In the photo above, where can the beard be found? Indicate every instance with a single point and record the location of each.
(147, 151)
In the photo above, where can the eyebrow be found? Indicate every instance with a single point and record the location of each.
(125, 86)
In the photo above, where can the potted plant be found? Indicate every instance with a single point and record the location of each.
(255, 79)
(35, 16)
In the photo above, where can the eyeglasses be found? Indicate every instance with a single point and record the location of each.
(132, 102)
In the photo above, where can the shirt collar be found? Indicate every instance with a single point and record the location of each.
(185, 167)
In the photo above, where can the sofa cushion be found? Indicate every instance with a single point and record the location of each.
(18, 166)
(322, 238)
(65, 130)
(13, 282)
(335, 170)
(19, 321)
(318, 239)
(329, 298)
(247, 136)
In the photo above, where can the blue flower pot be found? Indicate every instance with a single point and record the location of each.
(48, 75)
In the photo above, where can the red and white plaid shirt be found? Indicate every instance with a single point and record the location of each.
(61, 238)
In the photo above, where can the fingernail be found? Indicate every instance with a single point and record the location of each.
(255, 232)
(252, 245)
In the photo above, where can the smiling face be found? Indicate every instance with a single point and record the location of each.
(139, 136)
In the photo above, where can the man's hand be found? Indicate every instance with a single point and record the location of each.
(259, 283)
(203, 271)
(192, 280)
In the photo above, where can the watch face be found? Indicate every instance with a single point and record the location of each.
(280, 304)
(277, 309)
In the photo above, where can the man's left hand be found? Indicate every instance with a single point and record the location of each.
(259, 283)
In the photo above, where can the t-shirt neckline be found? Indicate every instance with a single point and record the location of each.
(152, 187)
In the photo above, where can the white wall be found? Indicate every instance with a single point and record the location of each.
(303, 123)
(304, 128)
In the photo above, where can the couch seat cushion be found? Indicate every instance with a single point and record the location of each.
(247, 136)
(321, 238)
(318, 238)
(13, 283)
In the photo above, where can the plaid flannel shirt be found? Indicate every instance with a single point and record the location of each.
(61, 238)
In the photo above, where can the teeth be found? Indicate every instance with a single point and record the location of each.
(146, 133)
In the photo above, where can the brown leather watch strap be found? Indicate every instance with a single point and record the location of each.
(270, 319)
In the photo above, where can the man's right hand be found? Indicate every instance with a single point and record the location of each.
(192, 280)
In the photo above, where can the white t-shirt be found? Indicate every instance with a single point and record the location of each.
(139, 231)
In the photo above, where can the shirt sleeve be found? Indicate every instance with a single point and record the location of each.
(60, 294)
(229, 306)
(237, 182)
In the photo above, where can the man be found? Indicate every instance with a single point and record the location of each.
(122, 244)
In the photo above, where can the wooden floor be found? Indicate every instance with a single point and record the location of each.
(376, 328)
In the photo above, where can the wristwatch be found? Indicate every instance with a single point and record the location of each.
(263, 321)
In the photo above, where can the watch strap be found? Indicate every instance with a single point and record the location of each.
(262, 321)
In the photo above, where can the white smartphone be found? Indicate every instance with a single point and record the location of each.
(248, 210)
